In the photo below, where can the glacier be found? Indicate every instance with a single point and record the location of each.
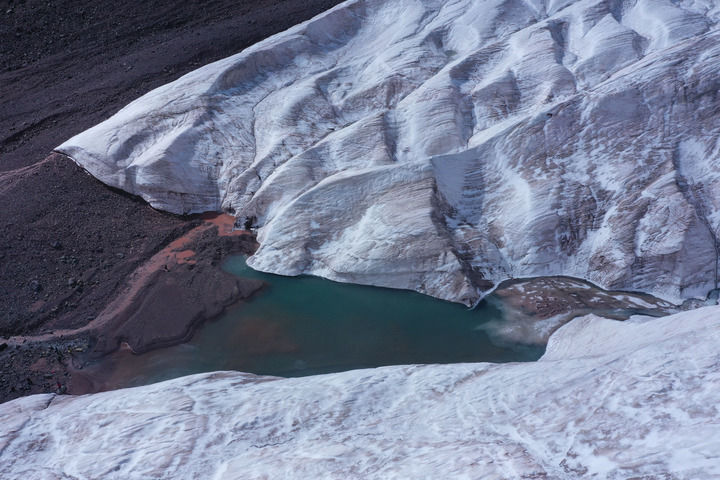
(446, 146)
(609, 399)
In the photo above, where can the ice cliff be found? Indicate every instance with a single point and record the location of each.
(444, 146)
(608, 400)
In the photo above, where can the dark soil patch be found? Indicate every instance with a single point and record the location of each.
(67, 65)
(67, 244)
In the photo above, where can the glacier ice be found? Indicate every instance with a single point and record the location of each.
(609, 399)
(444, 146)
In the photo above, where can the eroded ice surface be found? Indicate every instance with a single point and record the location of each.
(444, 146)
(608, 400)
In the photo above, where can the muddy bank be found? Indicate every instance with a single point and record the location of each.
(121, 272)
(161, 302)
(536, 307)
(68, 243)
(177, 289)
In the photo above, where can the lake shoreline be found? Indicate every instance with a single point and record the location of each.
(307, 325)
(163, 302)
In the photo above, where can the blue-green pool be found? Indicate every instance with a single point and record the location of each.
(307, 325)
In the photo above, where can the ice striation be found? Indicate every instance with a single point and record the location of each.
(444, 146)
(610, 400)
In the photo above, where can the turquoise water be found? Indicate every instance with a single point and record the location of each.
(306, 325)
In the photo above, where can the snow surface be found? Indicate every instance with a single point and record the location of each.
(444, 146)
(608, 400)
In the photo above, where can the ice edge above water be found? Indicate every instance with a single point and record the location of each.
(446, 146)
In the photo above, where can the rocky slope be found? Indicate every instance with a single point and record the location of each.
(69, 246)
(608, 400)
(444, 147)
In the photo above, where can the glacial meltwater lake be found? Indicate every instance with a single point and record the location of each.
(304, 325)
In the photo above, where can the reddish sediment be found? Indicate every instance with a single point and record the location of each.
(161, 303)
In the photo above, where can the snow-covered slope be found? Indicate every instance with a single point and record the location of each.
(444, 146)
(608, 400)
